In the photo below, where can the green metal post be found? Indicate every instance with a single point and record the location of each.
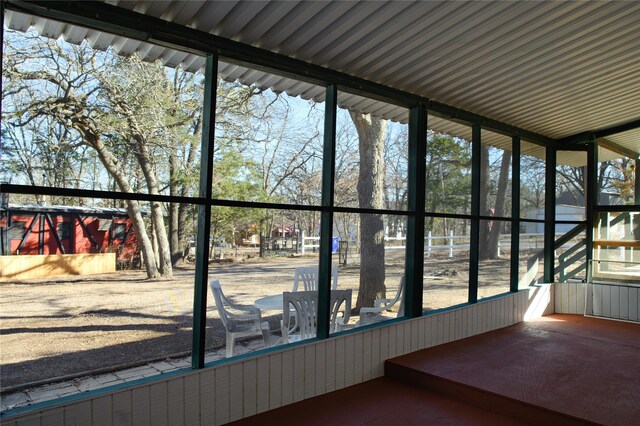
(474, 247)
(591, 189)
(204, 213)
(415, 222)
(326, 218)
(549, 214)
(635, 223)
(515, 213)
(636, 198)
(1, 39)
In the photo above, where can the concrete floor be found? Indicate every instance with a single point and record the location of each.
(560, 369)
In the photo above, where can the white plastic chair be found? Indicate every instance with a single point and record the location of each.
(309, 277)
(372, 314)
(239, 321)
(304, 304)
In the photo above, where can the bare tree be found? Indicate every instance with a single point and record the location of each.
(490, 230)
(113, 105)
(371, 132)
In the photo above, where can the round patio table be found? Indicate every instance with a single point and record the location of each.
(269, 303)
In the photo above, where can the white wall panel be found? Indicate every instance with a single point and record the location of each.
(440, 328)
(51, 417)
(78, 413)
(475, 320)
(287, 377)
(340, 362)
(34, 420)
(634, 301)
(392, 341)
(397, 342)
(250, 387)
(158, 404)
(614, 301)
(141, 406)
(624, 303)
(321, 369)
(236, 391)
(175, 401)
(207, 395)
(406, 338)
(421, 333)
(275, 380)
(384, 346)
(617, 301)
(221, 397)
(330, 372)
(298, 374)
(122, 414)
(220, 394)
(358, 348)
(606, 300)
(309, 371)
(349, 361)
(367, 356)
(101, 411)
(263, 384)
(376, 362)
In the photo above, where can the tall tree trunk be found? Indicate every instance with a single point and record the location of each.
(183, 212)
(370, 187)
(133, 207)
(174, 208)
(485, 193)
(157, 218)
(492, 234)
(183, 208)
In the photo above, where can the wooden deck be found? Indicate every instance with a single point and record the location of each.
(560, 369)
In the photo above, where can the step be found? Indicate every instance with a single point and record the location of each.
(491, 402)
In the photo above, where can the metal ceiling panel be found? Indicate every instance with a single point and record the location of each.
(557, 68)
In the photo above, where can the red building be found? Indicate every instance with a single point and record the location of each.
(36, 229)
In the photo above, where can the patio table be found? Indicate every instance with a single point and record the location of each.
(269, 303)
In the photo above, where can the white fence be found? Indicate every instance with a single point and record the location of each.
(451, 244)
(314, 243)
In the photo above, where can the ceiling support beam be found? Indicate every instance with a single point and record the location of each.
(585, 137)
(104, 17)
(618, 149)
(603, 133)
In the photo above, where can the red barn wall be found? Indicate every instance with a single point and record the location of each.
(79, 241)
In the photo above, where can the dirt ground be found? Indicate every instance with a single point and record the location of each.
(82, 325)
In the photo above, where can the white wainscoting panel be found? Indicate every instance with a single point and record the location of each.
(241, 388)
(610, 300)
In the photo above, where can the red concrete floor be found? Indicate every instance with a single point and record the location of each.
(378, 402)
(558, 370)
(584, 368)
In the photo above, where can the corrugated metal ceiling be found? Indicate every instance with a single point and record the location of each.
(555, 68)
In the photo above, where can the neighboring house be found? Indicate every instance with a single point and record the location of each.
(563, 212)
(37, 229)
